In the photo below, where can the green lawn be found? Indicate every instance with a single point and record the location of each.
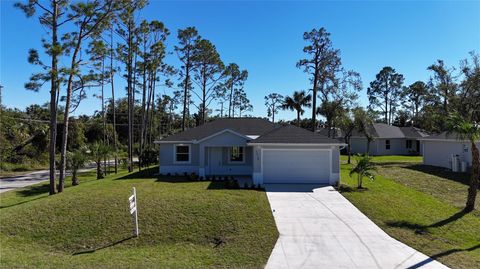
(182, 225)
(390, 158)
(420, 206)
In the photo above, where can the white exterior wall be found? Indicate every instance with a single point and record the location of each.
(397, 146)
(439, 153)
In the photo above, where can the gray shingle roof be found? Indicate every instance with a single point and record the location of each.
(292, 135)
(413, 132)
(244, 126)
(443, 136)
(382, 130)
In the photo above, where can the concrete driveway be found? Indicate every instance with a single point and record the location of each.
(319, 228)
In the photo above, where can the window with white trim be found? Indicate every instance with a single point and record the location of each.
(237, 154)
(387, 144)
(182, 153)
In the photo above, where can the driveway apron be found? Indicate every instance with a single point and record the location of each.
(319, 228)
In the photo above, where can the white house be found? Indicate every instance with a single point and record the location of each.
(387, 140)
(439, 149)
(254, 147)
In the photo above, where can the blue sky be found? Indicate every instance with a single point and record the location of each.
(265, 37)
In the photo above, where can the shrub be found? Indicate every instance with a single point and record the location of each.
(236, 184)
(148, 157)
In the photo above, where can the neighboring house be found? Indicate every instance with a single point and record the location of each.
(387, 140)
(438, 150)
(254, 147)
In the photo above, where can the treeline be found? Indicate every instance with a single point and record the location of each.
(335, 91)
(91, 44)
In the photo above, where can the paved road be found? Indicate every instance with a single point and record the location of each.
(20, 181)
(319, 228)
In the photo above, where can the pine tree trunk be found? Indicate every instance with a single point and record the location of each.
(113, 102)
(474, 180)
(53, 101)
(63, 153)
(129, 93)
(185, 93)
(314, 101)
(204, 101)
(103, 115)
(230, 102)
(144, 96)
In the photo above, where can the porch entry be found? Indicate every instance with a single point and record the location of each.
(223, 161)
(215, 160)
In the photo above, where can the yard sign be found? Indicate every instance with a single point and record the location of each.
(133, 209)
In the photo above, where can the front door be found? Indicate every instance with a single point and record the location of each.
(215, 161)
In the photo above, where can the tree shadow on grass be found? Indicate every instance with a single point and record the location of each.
(463, 178)
(29, 191)
(343, 188)
(6, 206)
(103, 247)
(34, 190)
(152, 173)
(149, 172)
(442, 254)
(421, 229)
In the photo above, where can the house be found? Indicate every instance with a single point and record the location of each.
(253, 147)
(439, 149)
(387, 140)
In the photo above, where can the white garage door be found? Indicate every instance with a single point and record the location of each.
(296, 166)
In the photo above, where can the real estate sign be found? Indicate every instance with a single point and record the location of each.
(133, 209)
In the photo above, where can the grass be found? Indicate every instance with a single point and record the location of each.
(13, 169)
(390, 158)
(182, 225)
(420, 206)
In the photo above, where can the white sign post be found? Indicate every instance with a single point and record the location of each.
(133, 209)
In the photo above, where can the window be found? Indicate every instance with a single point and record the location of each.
(182, 153)
(237, 154)
(409, 144)
(387, 144)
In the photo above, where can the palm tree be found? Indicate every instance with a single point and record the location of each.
(364, 168)
(75, 161)
(297, 102)
(97, 152)
(470, 131)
